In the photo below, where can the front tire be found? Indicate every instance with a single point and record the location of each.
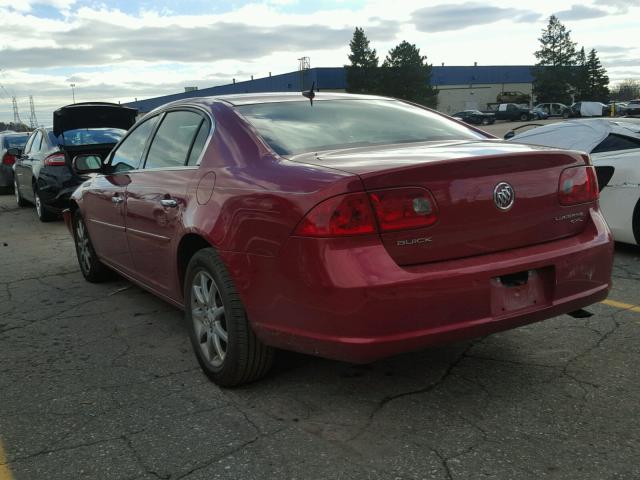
(485, 121)
(92, 269)
(226, 348)
(43, 213)
(524, 117)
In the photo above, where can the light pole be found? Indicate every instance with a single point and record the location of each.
(73, 92)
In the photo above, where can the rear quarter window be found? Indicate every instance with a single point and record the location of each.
(615, 142)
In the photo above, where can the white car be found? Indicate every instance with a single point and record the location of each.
(614, 146)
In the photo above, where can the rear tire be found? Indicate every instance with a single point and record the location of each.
(43, 213)
(524, 117)
(16, 191)
(93, 270)
(225, 346)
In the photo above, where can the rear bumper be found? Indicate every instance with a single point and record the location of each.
(56, 187)
(331, 298)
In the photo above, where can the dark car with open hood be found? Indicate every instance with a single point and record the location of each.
(43, 171)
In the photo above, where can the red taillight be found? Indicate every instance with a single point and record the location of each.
(351, 214)
(578, 185)
(404, 208)
(348, 214)
(8, 159)
(55, 160)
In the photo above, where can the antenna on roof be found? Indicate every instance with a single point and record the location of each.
(310, 94)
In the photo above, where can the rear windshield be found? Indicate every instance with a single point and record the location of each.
(15, 141)
(297, 127)
(89, 136)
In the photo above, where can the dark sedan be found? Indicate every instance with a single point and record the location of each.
(43, 173)
(475, 117)
(9, 141)
(348, 228)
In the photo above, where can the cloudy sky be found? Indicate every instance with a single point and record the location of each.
(120, 50)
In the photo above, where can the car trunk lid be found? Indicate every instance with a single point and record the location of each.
(463, 176)
(93, 115)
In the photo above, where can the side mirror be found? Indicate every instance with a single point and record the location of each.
(88, 163)
(16, 152)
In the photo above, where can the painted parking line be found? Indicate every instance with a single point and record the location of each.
(5, 473)
(621, 305)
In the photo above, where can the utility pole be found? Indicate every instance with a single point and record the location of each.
(33, 121)
(73, 92)
(16, 115)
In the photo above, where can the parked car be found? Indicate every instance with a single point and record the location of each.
(475, 117)
(554, 109)
(589, 109)
(539, 114)
(347, 228)
(614, 146)
(513, 112)
(9, 141)
(43, 173)
(633, 107)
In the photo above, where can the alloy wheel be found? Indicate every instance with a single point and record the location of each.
(209, 322)
(82, 244)
(38, 204)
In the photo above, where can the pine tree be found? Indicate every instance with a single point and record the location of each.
(597, 79)
(362, 74)
(407, 75)
(580, 80)
(556, 57)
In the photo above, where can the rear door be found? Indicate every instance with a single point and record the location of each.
(30, 162)
(157, 196)
(104, 202)
(21, 168)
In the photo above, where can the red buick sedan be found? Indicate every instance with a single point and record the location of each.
(353, 227)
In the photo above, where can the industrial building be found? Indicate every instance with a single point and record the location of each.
(460, 87)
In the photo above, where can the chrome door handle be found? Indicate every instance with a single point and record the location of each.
(168, 202)
(117, 199)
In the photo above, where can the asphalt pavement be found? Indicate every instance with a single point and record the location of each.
(99, 382)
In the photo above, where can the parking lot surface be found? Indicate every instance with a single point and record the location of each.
(99, 382)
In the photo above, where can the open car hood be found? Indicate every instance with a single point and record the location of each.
(93, 115)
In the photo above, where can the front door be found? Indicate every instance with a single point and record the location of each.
(25, 163)
(105, 201)
(157, 197)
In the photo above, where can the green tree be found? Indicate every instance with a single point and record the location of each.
(407, 75)
(362, 74)
(580, 80)
(597, 79)
(553, 72)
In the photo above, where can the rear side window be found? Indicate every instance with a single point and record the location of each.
(129, 154)
(37, 141)
(198, 143)
(172, 141)
(616, 142)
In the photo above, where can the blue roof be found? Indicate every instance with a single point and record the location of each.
(333, 78)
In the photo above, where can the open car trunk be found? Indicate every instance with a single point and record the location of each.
(93, 115)
(462, 178)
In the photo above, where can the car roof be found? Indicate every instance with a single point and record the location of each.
(579, 134)
(270, 97)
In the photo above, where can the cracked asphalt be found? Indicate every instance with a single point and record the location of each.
(99, 382)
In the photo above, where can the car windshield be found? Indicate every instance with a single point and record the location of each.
(15, 141)
(297, 127)
(89, 136)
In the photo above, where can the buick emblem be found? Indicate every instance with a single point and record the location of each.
(504, 196)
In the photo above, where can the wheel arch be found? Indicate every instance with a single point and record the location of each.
(189, 245)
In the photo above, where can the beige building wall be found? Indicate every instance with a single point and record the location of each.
(454, 98)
